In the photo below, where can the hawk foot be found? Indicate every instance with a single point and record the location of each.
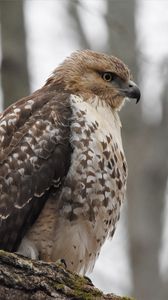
(62, 263)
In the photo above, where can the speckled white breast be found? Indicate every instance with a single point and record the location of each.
(88, 207)
(95, 185)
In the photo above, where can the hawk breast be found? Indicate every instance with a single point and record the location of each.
(96, 181)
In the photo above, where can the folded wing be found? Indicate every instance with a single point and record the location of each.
(34, 159)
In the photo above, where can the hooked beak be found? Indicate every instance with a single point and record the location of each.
(132, 91)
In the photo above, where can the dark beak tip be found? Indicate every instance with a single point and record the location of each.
(132, 91)
(138, 98)
(136, 94)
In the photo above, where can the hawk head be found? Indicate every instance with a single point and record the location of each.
(88, 73)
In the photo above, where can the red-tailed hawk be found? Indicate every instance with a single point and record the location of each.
(62, 167)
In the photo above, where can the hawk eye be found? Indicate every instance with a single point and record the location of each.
(108, 76)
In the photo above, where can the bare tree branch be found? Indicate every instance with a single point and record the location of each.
(24, 279)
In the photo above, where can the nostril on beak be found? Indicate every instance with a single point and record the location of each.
(132, 84)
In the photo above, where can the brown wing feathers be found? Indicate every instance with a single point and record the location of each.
(34, 158)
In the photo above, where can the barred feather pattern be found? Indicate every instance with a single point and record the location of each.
(34, 159)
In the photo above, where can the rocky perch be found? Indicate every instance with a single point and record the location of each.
(25, 279)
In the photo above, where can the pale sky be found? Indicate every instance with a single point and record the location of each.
(152, 27)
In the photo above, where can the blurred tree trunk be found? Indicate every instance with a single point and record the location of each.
(145, 154)
(76, 23)
(14, 73)
(164, 144)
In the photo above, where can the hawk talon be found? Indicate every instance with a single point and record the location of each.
(89, 280)
(62, 263)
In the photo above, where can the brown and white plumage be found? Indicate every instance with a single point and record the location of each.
(62, 167)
